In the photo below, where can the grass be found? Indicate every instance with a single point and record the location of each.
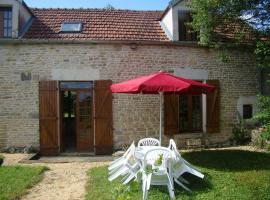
(229, 174)
(15, 180)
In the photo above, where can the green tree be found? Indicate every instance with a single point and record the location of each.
(208, 15)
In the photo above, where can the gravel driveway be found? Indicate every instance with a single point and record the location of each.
(64, 181)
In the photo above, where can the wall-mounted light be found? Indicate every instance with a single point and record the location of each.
(133, 46)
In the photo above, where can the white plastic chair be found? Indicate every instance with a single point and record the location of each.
(161, 175)
(127, 167)
(119, 161)
(181, 166)
(149, 142)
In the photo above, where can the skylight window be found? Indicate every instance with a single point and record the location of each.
(71, 27)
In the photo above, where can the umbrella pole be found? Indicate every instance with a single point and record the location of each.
(160, 115)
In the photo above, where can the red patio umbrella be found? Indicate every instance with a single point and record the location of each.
(160, 83)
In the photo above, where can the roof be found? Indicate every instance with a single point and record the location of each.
(98, 24)
(235, 32)
(173, 3)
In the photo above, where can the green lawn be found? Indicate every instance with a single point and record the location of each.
(230, 174)
(15, 180)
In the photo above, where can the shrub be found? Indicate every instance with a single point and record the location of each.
(240, 133)
(264, 117)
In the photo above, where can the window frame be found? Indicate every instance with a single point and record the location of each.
(187, 35)
(190, 115)
(79, 30)
(7, 21)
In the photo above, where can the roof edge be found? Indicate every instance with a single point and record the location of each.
(41, 41)
(87, 42)
(172, 3)
(26, 7)
(97, 9)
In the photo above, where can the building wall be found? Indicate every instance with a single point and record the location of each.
(134, 116)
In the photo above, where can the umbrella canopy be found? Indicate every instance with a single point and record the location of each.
(161, 82)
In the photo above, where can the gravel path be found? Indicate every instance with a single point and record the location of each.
(64, 181)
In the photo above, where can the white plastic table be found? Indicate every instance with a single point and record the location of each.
(142, 150)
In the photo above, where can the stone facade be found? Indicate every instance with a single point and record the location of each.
(134, 116)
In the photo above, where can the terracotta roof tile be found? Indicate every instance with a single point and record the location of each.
(98, 24)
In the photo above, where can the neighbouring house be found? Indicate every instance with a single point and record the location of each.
(56, 66)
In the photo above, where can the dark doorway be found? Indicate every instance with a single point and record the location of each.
(69, 120)
(77, 134)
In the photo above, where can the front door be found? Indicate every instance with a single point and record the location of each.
(77, 116)
(84, 121)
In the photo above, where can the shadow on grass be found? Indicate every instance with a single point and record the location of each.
(229, 160)
(197, 185)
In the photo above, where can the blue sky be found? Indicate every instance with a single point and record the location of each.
(120, 4)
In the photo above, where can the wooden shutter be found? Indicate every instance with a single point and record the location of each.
(213, 109)
(48, 118)
(171, 114)
(103, 117)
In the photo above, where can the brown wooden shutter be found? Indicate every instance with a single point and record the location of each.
(103, 117)
(171, 114)
(213, 109)
(48, 118)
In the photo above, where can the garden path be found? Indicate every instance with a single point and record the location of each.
(64, 181)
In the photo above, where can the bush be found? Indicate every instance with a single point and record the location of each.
(264, 117)
(263, 106)
(240, 133)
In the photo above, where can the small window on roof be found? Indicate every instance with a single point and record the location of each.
(71, 27)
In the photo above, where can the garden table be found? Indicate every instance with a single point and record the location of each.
(142, 150)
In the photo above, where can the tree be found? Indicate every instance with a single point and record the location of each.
(109, 7)
(210, 14)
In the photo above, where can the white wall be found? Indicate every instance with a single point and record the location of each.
(246, 100)
(170, 20)
(24, 17)
(167, 24)
(75, 74)
(194, 74)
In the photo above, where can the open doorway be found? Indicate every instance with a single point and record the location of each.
(69, 120)
(77, 134)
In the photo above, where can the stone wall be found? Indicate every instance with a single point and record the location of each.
(134, 116)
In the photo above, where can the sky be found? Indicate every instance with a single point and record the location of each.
(119, 4)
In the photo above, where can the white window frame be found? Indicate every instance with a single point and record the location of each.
(71, 29)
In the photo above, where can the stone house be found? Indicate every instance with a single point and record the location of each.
(56, 66)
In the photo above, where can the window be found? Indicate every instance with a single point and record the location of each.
(71, 27)
(184, 113)
(6, 22)
(190, 113)
(185, 32)
(76, 85)
(247, 111)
